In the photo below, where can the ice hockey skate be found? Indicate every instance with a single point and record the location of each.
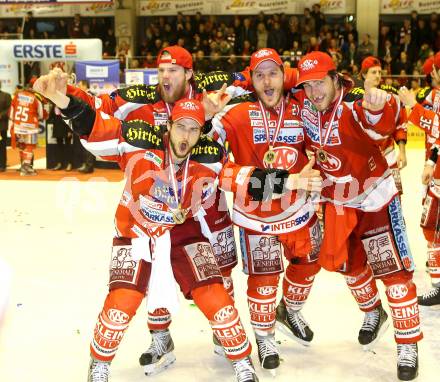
(407, 361)
(374, 325)
(430, 298)
(267, 352)
(292, 324)
(160, 353)
(244, 370)
(99, 371)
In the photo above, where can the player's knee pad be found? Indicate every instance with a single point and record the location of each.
(211, 299)
(402, 299)
(262, 292)
(363, 287)
(119, 308)
(228, 283)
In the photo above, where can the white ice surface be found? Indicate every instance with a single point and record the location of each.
(55, 239)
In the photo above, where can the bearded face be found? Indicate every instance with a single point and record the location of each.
(173, 82)
(267, 80)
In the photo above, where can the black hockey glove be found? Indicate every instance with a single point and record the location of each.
(263, 183)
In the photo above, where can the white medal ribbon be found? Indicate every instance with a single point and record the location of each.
(174, 179)
(329, 128)
(266, 124)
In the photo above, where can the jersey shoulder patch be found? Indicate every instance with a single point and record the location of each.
(422, 94)
(212, 81)
(354, 94)
(207, 151)
(388, 88)
(143, 94)
(249, 97)
(142, 134)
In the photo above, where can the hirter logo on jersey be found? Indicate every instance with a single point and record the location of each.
(309, 64)
(285, 158)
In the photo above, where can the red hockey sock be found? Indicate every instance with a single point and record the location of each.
(218, 307)
(262, 293)
(160, 319)
(297, 283)
(434, 263)
(119, 308)
(402, 299)
(363, 288)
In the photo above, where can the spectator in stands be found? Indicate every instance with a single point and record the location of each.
(232, 64)
(201, 63)
(75, 30)
(313, 45)
(294, 33)
(246, 33)
(365, 48)
(158, 45)
(408, 47)
(61, 30)
(64, 137)
(308, 21)
(277, 38)
(247, 49)
(5, 103)
(262, 36)
(88, 159)
(149, 61)
(402, 65)
(29, 25)
(404, 30)
(318, 17)
(421, 34)
(110, 43)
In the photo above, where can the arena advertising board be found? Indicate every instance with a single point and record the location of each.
(14, 51)
(102, 75)
(407, 6)
(56, 8)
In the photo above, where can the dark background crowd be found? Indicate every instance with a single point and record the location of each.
(402, 46)
(226, 42)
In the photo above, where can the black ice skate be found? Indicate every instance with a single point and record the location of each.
(160, 353)
(98, 371)
(375, 324)
(268, 352)
(407, 362)
(293, 324)
(430, 298)
(244, 370)
(27, 170)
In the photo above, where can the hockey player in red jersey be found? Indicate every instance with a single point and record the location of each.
(426, 115)
(264, 130)
(364, 232)
(371, 72)
(25, 112)
(154, 104)
(170, 171)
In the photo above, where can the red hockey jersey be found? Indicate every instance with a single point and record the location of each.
(149, 198)
(241, 127)
(25, 112)
(355, 172)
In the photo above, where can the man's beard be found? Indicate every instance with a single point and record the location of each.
(175, 152)
(178, 93)
(259, 95)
